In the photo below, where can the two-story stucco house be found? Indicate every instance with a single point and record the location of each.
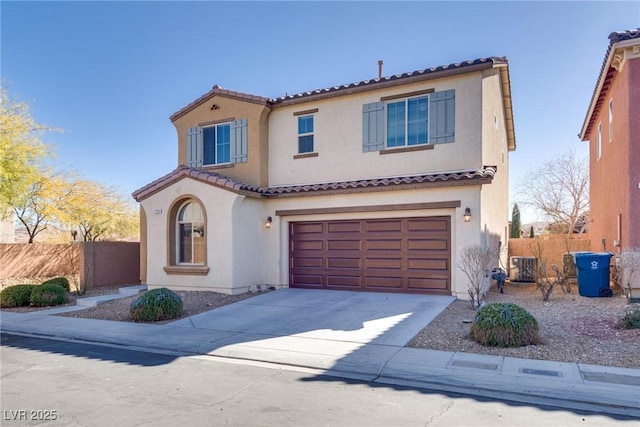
(362, 186)
(612, 127)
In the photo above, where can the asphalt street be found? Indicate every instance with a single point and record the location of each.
(64, 383)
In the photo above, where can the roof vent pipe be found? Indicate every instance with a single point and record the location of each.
(380, 69)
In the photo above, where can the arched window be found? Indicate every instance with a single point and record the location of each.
(190, 234)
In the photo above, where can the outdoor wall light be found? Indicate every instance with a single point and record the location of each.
(467, 215)
(268, 221)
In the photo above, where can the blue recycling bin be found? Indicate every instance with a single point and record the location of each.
(593, 273)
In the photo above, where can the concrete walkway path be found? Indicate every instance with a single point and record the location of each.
(358, 335)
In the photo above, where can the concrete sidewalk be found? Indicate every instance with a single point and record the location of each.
(353, 335)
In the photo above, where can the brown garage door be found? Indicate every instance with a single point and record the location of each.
(411, 255)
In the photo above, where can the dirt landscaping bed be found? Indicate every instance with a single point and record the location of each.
(573, 328)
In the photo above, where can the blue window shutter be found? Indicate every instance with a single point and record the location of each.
(373, 127)
(239, 141)
(194, 147)
(442, 118)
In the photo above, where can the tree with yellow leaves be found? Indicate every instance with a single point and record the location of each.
(22, 153)
(40, 196)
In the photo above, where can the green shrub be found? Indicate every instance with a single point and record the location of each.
(631, 318)
(16, 296)
(157, 304)
(502, 324)
(60, 281)
(48, 294)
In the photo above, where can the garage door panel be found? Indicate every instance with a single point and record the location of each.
(354, 263)
(383, 226)
(384, 282)
(383, 245)
(427, 245)
(432, 283)
(307, 245)
(308, 279)
(428, 264)
(344, 245)
(300, 262)
(428, 224)
(385, 263)
(393, 255)
(309, 227)
(344, 227)
(344, 281)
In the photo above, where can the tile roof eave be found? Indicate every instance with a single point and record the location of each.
(218, 91)
(616, 40)
(471, 177)
(394, 80)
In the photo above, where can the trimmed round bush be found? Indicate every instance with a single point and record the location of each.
(47, 295)
(503, 324)
(156, 304)
(16, 296)
(60, 281)
(631, 318)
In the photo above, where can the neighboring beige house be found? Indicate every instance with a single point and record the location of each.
(362, 186)
(612, 127)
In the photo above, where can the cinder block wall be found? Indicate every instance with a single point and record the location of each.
(96, 263)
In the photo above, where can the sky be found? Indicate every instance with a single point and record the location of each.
(111, 73)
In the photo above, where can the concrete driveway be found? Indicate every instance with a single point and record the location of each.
(362, 317)
(334, 330)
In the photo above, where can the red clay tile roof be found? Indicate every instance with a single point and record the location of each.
(604, 80)
(364, 84)
(413, 74)
(481, 176)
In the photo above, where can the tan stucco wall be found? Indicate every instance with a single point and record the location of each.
(494, 213)
(219, 214)
(255, 170)
(615, 176)
(338, 138)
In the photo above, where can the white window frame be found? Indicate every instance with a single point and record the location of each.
(610, 120)
(406, 121)
(193, 229)
(303, 134)
(599, 141)
(216, 153)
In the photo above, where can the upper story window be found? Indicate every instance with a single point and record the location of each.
(419, 119)
(610, 120)
(190, 234)
(305, 134)
(407, 122)
(216, 144)
(599, 141)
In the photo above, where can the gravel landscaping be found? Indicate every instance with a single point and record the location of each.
(573, 328)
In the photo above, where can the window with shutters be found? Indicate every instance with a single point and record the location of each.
(411, 121)
(216, 147)
(218, 144)
(407, 122)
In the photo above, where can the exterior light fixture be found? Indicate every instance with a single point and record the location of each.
(467, 215)
(268, 221)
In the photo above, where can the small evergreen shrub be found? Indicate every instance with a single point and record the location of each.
(48, 294)
(16, 296)
(60, 281)
(631, 318)
(502, 324)
(155, 305)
